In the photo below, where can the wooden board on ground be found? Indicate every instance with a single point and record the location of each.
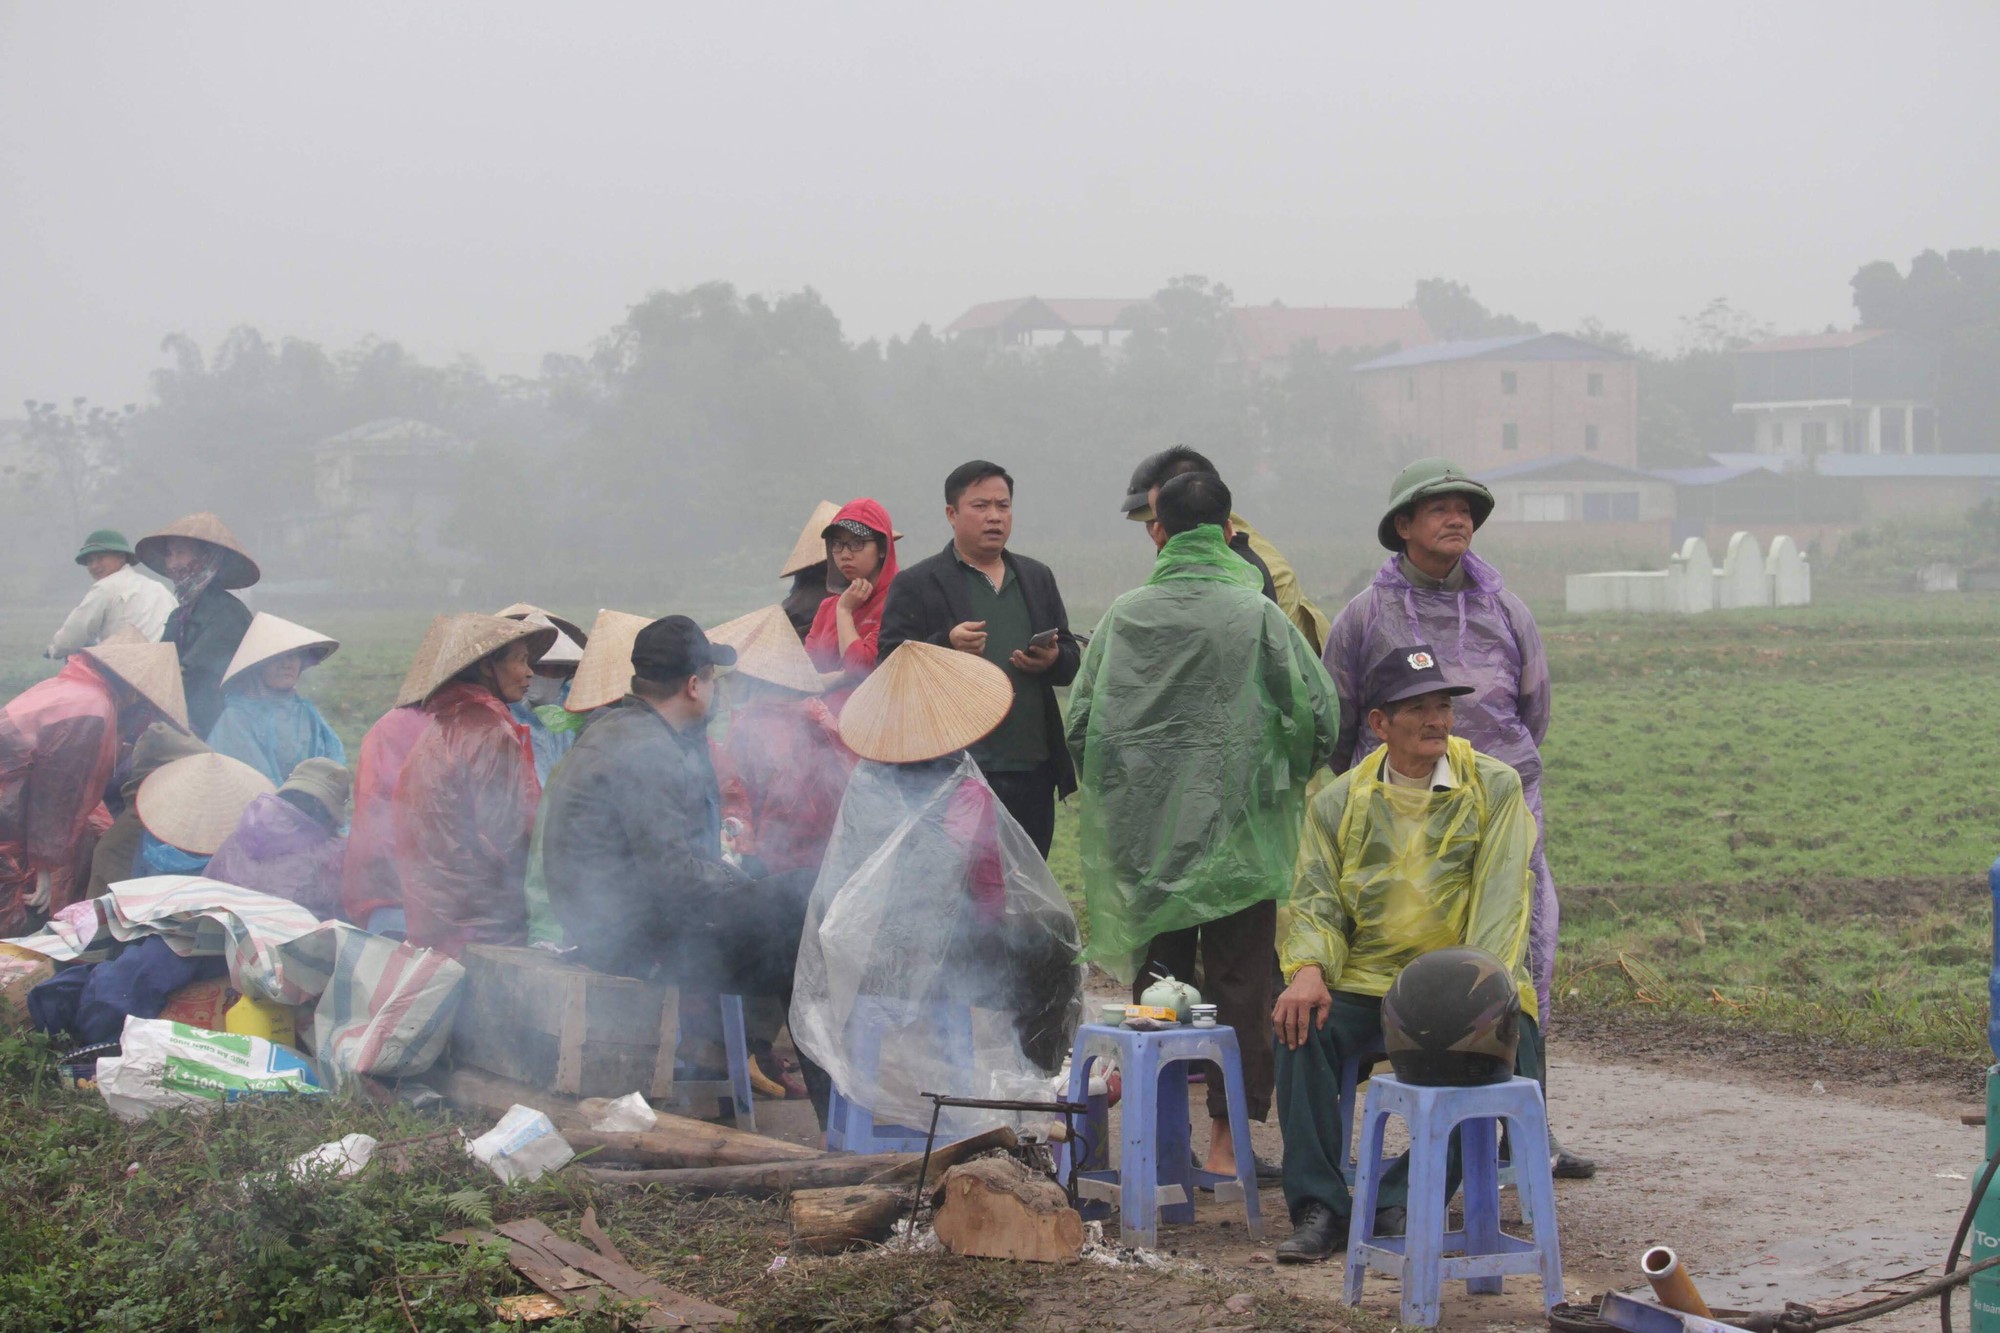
(585, 1279)
(997, 1208)
(532, 1017)
(826, 1171)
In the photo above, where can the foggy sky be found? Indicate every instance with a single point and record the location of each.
(503, 180)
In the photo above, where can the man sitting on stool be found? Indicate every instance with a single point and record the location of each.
(1423, 845)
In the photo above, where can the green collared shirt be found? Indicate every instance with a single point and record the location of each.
(1020, 743)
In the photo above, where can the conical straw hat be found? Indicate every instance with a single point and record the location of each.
(564, 652)
(196, 803)
(152, 669)
(604, 676)
(469, 637)
(528, 611)
(270, 637)
(768, 649)
(810, 548)
(238, 569)
(924, 702)
(412, 689)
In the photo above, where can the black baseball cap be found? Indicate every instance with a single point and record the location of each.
(1406, 673)
(673, 648)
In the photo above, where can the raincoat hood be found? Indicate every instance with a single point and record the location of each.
(1196, 720)
(281, 850)
(1388, 873)
(273, 733)
(823, 639)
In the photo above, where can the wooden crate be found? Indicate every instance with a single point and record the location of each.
(531, 1017)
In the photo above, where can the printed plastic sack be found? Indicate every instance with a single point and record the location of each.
(522, 1146)
(165, 1064)
(21, 970)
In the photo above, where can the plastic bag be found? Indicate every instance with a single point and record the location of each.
(939, 954)
(163, 1065)
(629, 1114)
(522, 1146)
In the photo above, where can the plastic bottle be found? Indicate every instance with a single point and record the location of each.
(1985, 1238)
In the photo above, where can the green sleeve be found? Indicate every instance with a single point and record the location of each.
(1076, 725)
(1321, 927)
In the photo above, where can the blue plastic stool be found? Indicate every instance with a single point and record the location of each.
(1156, 1177)
(737, 1045)
(1481, 1254)
(1351, 1077)
(852, 1127)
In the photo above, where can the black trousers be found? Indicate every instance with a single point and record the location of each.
(1031, 798)
(1235, 975)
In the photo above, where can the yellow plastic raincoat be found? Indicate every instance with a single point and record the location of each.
(1292, 599)
(1388, 873)
(1196, 720)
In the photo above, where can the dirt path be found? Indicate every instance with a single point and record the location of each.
(1769, 1189)
(1748, 1182)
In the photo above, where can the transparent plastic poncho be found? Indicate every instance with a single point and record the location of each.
(1388, 873)
(939, 954)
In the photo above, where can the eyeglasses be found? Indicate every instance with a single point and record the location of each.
(849, 545)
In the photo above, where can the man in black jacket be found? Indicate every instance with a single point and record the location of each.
(632, 838)
(981, 598)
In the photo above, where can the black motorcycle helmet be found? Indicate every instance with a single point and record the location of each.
(1452, 1018)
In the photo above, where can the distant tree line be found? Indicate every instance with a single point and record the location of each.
(701, 429)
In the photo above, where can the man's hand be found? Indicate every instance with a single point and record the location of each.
(1303, 1008)
(1034, 660)
(969, 636)
(856, 593)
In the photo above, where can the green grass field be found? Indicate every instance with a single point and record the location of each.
(1734, 801)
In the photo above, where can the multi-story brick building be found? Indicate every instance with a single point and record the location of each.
(1490, 402)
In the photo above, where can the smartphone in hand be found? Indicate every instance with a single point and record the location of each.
(1046, 639)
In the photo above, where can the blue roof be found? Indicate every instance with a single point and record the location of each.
(1517, 346)
(1531, 466)
(1713, 475)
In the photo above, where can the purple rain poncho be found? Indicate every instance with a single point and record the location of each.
(281, 850)
(1485, 637)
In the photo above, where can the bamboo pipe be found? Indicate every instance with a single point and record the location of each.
(1671, 1283)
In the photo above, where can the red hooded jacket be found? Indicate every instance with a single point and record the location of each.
(823, 640)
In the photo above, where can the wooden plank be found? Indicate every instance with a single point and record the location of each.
(669, 1308)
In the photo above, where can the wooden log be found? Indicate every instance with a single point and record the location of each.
(828, 1221)
(772, 1179)
(675, 1141)
(998, 1209)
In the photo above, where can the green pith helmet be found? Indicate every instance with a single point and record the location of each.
(106, 541)
(1431, 476)
(1452, 1018)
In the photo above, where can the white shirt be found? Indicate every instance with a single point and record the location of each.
(1440, 779)
(116, 601)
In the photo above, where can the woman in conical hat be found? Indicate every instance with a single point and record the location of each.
(203, 558)
(861, 544)
(59, 745)
(551, 727)
(265, 721)
(465, 803)
(807, 567)
(780, 762)
(189, 808)
(371, 886)
(932, 902)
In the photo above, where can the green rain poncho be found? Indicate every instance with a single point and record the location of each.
(1388, 873)
(1196, 720)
